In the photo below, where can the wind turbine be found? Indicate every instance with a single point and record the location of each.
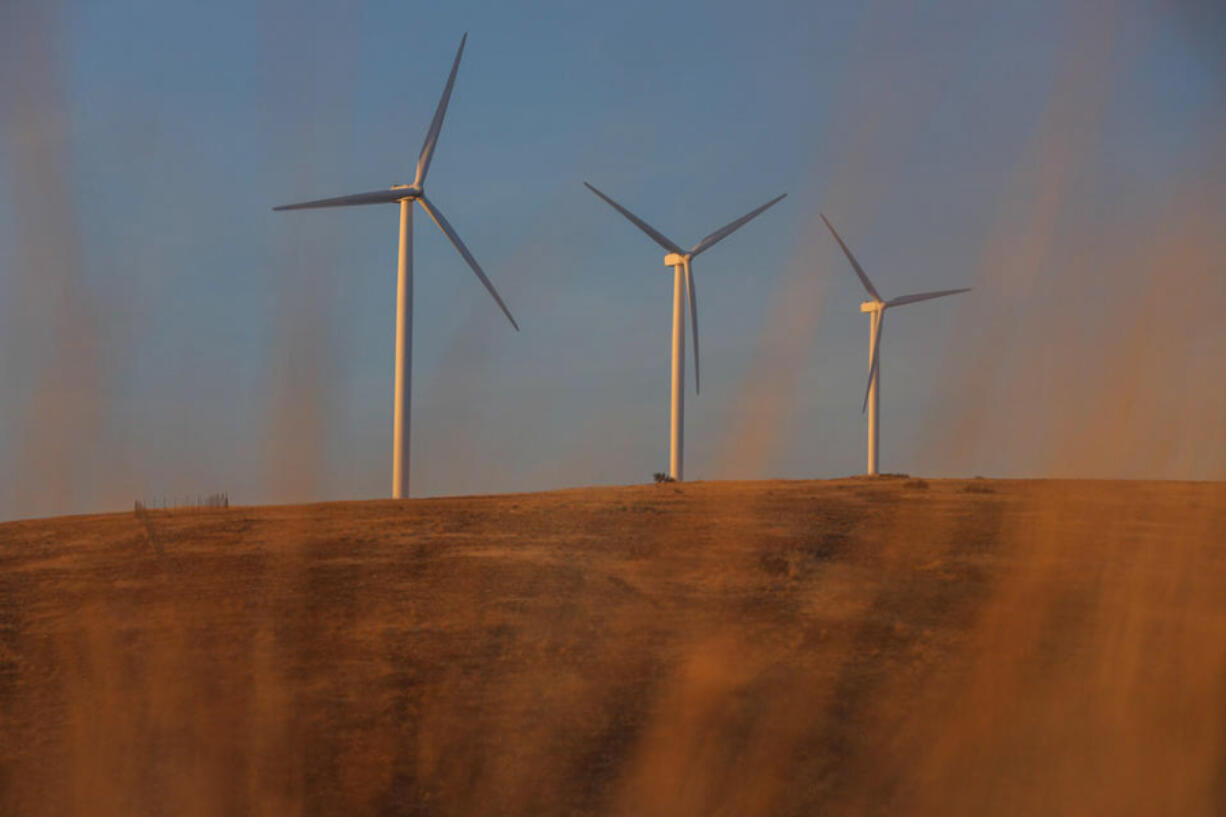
(405, 195)
(683, 277)
(876, 308)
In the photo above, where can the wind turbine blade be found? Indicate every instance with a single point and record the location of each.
(436, 125)
(856, 264)
(875, 362)
(924, 296)
(727, 230)
(451, 234)
(656, 236)
(373, 197)
(693, 293)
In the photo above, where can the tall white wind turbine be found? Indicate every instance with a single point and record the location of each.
(405, 195)
(876, 307)
(683, 283)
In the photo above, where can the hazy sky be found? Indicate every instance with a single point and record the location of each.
(164, 333)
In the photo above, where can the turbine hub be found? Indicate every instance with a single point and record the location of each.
(411, 192)
(673, 259)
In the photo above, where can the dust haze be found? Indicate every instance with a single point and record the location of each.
(55, 356)
(1118, 378)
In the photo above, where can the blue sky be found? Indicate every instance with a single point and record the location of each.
(1054, 156)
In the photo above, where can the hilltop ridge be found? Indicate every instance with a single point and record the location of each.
(785, 647)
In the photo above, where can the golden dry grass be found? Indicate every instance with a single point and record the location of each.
(843, 647)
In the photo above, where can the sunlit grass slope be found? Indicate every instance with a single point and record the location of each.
(844, 647)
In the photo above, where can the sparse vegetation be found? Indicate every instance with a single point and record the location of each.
(916, 484)
(141, 511)
(142, 516)
(660, 477)
(218, 500)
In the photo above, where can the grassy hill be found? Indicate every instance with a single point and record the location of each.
(890, 646)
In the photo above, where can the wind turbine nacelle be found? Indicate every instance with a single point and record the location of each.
(674, 259)
(871, 306)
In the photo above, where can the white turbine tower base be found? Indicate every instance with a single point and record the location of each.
(876, 307)
(405, 195)
(683, 278)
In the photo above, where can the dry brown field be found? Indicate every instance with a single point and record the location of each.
(893, 646)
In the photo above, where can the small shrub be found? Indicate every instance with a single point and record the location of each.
(151, 535)
(775, 564)
(660, 477)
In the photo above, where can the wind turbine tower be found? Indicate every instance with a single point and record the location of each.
(683, 285)
(405, 195)
(876, 306)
